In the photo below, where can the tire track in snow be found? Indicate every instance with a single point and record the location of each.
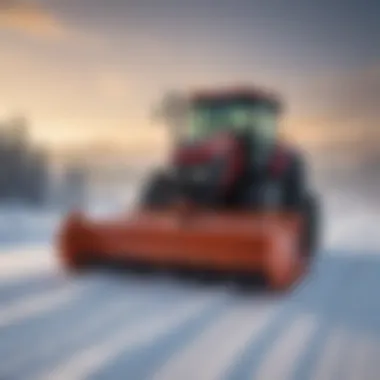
(95, 323)
(245, 321)
(84, 364)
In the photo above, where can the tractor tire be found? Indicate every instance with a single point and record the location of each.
(311, 236)
(159, 191)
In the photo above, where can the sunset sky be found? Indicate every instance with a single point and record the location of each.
(89, 71)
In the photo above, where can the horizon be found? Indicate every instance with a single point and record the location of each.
(89, 72)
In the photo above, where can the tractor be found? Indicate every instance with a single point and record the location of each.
(234, 198)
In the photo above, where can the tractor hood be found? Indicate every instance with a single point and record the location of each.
(208, 168)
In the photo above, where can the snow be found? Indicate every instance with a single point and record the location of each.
(350, 222)
(29, 261)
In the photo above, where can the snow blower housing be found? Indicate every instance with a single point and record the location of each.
(235, 198)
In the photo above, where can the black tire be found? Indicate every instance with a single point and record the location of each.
(311, 236)
(159, 192)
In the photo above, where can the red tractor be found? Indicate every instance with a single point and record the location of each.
(234, 199)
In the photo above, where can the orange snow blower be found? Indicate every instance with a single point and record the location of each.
(234, 200)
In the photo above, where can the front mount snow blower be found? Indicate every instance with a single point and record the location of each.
(234, 199)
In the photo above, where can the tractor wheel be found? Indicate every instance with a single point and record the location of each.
(311, 236)
(159, 191)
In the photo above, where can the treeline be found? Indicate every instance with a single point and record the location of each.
(24, 168)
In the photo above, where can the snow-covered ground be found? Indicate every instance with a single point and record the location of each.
(159, 328)
(350, 222)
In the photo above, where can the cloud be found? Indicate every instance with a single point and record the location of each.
(112, 85)
(350, 97)
(341, 110)
(31, 18)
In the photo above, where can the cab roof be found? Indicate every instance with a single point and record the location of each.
(249, 95)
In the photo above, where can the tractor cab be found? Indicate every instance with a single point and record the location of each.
(242, 112)
(249, 117)
(229, 135)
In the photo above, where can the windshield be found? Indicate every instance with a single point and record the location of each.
(258, 120)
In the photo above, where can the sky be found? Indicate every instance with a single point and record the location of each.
(91, 71)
